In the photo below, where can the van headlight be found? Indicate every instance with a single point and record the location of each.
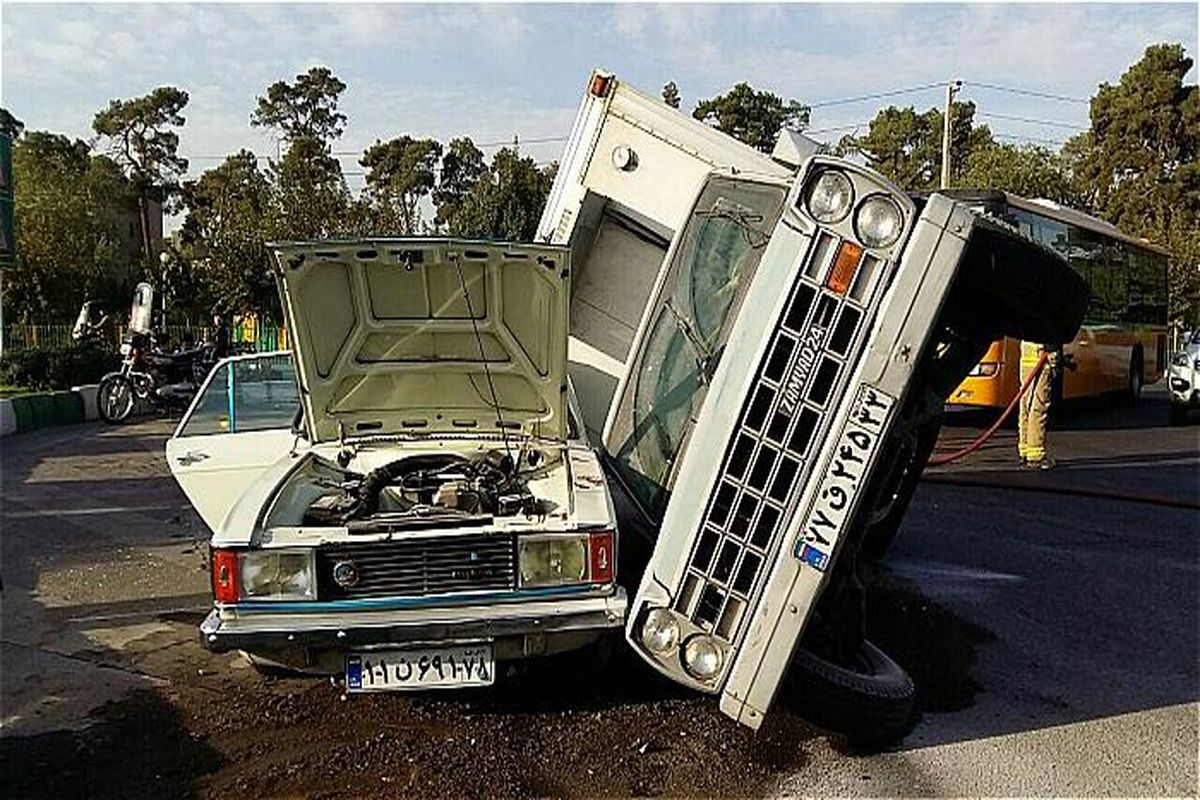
(829, 196)
(878, 221)
(277, 575)
(703, 657)
(660, 631)
(1180, 359)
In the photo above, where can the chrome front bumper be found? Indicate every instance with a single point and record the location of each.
(227, 629)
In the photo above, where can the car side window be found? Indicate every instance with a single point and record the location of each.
(246, 394)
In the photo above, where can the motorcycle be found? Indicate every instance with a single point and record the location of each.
(148, 375)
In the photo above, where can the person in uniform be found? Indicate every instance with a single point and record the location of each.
(1034, 409)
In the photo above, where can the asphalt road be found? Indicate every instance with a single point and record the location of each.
(1049, 620)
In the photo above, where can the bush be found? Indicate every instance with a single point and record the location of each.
(59, 368)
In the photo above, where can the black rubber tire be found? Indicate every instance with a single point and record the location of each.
(878, 536)
(115, 399)
(1133, 385)
(1008, 285)
(872, 708)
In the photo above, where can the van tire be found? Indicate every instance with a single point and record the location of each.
(1009, 286)
(878, 536)
(1179, 414)
(873, 706)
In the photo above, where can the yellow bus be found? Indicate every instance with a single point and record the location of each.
(1123, 342)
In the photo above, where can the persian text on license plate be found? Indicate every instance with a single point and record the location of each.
(415, 668)
(834, 501)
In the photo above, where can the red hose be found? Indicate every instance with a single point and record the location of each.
(983, 437)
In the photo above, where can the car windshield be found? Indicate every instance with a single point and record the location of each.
(718, 252)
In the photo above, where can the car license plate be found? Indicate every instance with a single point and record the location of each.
(834, 501)
(415, 668)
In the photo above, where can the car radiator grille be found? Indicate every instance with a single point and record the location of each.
(420, 567)
(813, 348)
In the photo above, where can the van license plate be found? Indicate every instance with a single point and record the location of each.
(416, 668)
(843, 476)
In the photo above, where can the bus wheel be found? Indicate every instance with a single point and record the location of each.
(872, 702)
(1133, 389)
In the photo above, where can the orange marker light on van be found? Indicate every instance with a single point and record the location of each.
(844, 264)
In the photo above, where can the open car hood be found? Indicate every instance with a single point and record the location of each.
(387, 341)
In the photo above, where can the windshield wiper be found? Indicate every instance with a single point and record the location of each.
(706, 360)
(742, 217)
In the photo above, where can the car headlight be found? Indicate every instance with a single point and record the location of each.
(703, 657)
(552, 560)
(829, 196)
(660, 631)
(277, 575)
(878, 221)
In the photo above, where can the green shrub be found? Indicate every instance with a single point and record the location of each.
(58, 368)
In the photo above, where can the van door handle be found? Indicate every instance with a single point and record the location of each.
(191, 457)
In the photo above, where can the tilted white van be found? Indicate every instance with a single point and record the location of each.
(781, 391)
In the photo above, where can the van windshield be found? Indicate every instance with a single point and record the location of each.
(719, 250)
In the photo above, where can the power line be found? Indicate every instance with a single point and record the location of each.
(1015, 138)
(991, 115)
(1029, 92)
(878, 95)
(837, 128)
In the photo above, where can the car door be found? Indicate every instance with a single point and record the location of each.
(239, 424)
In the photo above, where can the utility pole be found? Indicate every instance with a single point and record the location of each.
(951, 90)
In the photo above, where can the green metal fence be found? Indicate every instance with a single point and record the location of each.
(265, 337)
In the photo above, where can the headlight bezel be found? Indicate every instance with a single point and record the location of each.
(815, 181)
(260, 575)
(894, 236)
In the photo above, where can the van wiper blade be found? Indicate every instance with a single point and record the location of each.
(743, 218)
(700, 352)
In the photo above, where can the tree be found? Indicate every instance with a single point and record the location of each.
(752, 116)
(907, 146)
(310, 198)
(309, 195)
(9, 124)
(1138, 167)
(304, 109)
(142, 141)
(462, 167)
(400, 172)
(506, 201)
(670, 94)
(1028, 170)
(223, 237)
(70, 243)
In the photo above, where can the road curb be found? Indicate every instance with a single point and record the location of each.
(28, 412)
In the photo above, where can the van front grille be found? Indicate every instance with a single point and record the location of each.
(768, 458)
(418, 567)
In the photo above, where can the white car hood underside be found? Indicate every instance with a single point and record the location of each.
(387, 341)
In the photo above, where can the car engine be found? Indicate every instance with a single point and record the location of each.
(431, 486)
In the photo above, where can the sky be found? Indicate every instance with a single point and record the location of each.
(495, 71)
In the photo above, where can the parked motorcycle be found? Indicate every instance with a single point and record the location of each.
(162, 380)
